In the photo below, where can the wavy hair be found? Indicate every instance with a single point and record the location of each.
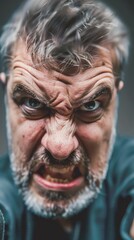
(65, 35)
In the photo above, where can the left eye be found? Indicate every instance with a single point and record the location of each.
(32, 103)
(90, 106)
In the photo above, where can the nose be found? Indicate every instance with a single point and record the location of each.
(60, 140)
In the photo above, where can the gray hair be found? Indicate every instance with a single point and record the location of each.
(65, 35)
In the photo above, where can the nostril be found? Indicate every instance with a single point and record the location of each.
(56, 156)
(50, 160)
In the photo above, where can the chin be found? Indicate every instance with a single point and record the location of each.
(58, 204)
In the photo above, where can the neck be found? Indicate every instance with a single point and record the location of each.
(66, 224)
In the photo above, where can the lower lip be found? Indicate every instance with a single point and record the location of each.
(58, 186)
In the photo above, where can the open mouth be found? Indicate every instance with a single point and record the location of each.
(59, 178)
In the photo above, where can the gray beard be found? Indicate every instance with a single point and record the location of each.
(60, 204)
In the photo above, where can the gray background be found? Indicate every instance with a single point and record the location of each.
(125, 9)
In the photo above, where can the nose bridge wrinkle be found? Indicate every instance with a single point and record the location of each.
(61, 125)
(60, 138)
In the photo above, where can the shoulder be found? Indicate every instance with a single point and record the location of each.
(5, 171)
(7, 186)
(4, 162)
(11, 205)
(120, 186)
(121, 165)
(123, 147)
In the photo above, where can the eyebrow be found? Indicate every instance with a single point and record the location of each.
(22, 90)
(103, 90)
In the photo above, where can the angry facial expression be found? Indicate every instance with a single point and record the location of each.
(62, 130)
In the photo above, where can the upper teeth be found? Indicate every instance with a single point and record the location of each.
(61, 170)
(49, 178)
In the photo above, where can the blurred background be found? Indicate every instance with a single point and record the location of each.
(123, 8)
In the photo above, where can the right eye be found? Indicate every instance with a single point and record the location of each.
(32, 103)
(33, 109)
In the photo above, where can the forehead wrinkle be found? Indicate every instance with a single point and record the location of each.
(30, 70)
(75, 88)
(24, 61)
(84, 91)
(38, 73)
(22, 55)
(23, 74)
(83, 75)
(80, 87)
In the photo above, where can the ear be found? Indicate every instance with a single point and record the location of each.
(3, 77)
(120, 85)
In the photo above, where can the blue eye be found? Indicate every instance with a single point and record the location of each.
(32, 103)
(90, 106)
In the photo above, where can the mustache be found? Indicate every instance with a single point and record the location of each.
(47, 159)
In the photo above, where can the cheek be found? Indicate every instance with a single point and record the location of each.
(95, 133)
(95, 138)
(26, 134)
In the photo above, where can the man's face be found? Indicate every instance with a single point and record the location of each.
(62, 130)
